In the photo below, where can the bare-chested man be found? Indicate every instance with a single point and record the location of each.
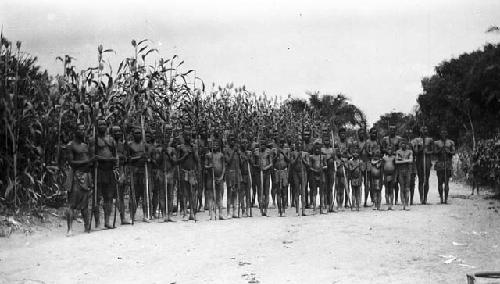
(157, 163)
(404, 159)
(307, 147)
(188, 162)
(80, 190)
(138, 156)
(374, 152)
(423, 149)
(246, 182)
(389, 170)
(263, 158)
(392, 140)
(361, 147)
(122, 174)
(281, 162)
(232, 175)
(444, 149)
(215, 169)
(105, 153)
(329, 153)
(317, 166)
(413, 168)
(343, 155)
(169, 166)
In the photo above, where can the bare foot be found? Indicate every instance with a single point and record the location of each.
(69, 233)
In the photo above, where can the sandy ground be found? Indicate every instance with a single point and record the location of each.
(347, 247)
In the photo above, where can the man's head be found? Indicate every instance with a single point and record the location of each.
(187, 136)
(306, 135)
(101, 126)
(390, 150)
(361, 134)
(373, 133)
(443, 133)
(409, 133)
(424, 131)
(80, 132)
(326, 141)
(137, 134)
(342, 133)
(116, 131)
(392, 130)
(317, 147)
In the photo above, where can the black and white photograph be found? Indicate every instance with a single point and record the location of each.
(249, 141)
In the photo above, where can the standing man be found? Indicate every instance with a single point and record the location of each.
(157, 164)
(80, 190)
(281, 162)
(245, 183)
(169, 167)
(404, 159)
(343, 155)
(423, 149)
(122, 175)
(188, 162)
(232, 160)
(317, 167)
(307, 147)
(139, 154)
(413, 167)
(392, 140)
(444, 148)
(105, 154)
(263, 156)
(329, 153)
(360, 147)
(374, 152)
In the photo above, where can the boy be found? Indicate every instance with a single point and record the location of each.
(376, 178)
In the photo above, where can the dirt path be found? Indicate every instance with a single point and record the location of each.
(347, 247)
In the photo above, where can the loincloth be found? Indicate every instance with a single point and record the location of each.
(80, 190)
(281, 177)
(189, 176)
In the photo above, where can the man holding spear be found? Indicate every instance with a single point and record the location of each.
(105, 153)
(169, 170)
(188, 161)
(121, 159)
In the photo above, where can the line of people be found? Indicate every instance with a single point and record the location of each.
(153, 168)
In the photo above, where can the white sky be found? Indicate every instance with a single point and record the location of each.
(375, 52)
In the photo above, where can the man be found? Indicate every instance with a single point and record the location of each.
(444, 150)
(360, 147)
(232, 175)
(139, 155)
(246, 182)
(392, 140)
(423, 149)
(317, 166)
(356, 178)
(263, 158)
(389, 171)
(404, 159)
(374, 152)
(105, 153)
(157, 164)
(376, 177)
(413, 168)
(120, 152)
(307, 147)
(272, 146)
(342, 156)
(169, 168)
(281, 161)
(214, 170)
(329, 153)
(80, 180)
(188, 161)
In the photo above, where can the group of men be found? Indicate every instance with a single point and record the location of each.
(153, 169)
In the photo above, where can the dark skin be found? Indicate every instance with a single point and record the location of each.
(79, 158)
(423, 150)
(138, 153)
(232, 159)
(281, 162)
(329, 153)
(188, 161)
(317, 164)
(120, 154)
(343, 155)
(444, 150)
